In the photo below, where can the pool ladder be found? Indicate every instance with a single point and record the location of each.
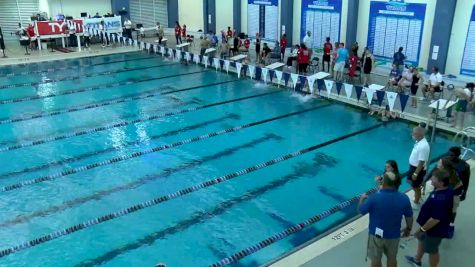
(464, 137)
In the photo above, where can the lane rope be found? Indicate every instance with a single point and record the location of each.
(89, 75)
(87, 58)
(295, 228)
(113, 148)
(136, 154)
(92, 88)
(48, 70)
(132, 185)
(180, 193)
(124, 99)
(125, 123)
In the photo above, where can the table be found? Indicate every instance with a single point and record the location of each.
(238, 57)
(321, 75)
(210, 50)
(275, 65)
(164, 41)
(376, 87)
(443, 105)
(182, 45)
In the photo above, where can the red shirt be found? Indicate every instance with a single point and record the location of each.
(303, 56)
(353, 64)
(30, 31)
(247, 43)
(183, 32)
(327, 48)
(283, 42)
(230, 33)
(177, 30)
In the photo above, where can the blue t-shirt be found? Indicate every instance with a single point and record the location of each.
(386, 209)
(342, 55)
(438, 206)
(395, 73)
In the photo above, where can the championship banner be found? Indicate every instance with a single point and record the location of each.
(44, 28)
(111, 24)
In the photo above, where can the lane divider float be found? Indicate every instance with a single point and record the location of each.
(174, 195)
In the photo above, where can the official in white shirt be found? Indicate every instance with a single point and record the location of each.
(418, 162)
(307, 40)
(435, 82)
(128, 28)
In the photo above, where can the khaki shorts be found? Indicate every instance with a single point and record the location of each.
(377, 246)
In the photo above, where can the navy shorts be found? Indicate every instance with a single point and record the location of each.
(419, 179)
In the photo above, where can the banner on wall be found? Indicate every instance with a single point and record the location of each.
(395, 24)
(468, 60)
(323, 19)
(112, 24)
(263, 18)
(58, 27)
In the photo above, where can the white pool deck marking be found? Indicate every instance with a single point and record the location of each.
(347, 245)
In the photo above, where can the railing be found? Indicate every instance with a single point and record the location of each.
(464, 137)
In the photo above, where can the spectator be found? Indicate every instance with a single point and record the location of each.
(353, 65)
(224, 49)
(183, 31)
(229, 33)
(416, 77)
(368, 63)
(265, 53)
(293, 56)
(327, 49)
(32, 35)
(391, 166)
(283, 46)
(394, 76)
(398, 59)
(258, 47)
(406, 79)
(97, 15)
(307, 40)
(303, 59)
(417, 163)
(247, 43)
(354, 48)
(335, 55)
(342, 56)
(386, 209)
(104, 35)
(178, 33)
(128, 28)
(462, 168)
(435, 81)
(236, 42)
(463, 96)
(434, 219)
(204, 44)
(161, 34)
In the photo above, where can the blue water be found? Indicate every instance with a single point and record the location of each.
(202, 227)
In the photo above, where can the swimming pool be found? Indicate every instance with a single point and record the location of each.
(88, 137)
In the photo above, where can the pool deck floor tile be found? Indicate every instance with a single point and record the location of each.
(351, 250)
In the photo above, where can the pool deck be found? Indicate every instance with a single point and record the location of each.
(347, 245)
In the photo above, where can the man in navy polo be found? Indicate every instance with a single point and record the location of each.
(386, 209)
(434, 219)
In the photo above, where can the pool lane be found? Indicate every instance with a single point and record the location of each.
(61, 63)
(66, 69)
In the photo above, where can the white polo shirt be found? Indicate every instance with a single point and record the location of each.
(435, 78)
(420, 152)
(307, 40)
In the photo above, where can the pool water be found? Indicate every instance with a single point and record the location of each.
(56, 120)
